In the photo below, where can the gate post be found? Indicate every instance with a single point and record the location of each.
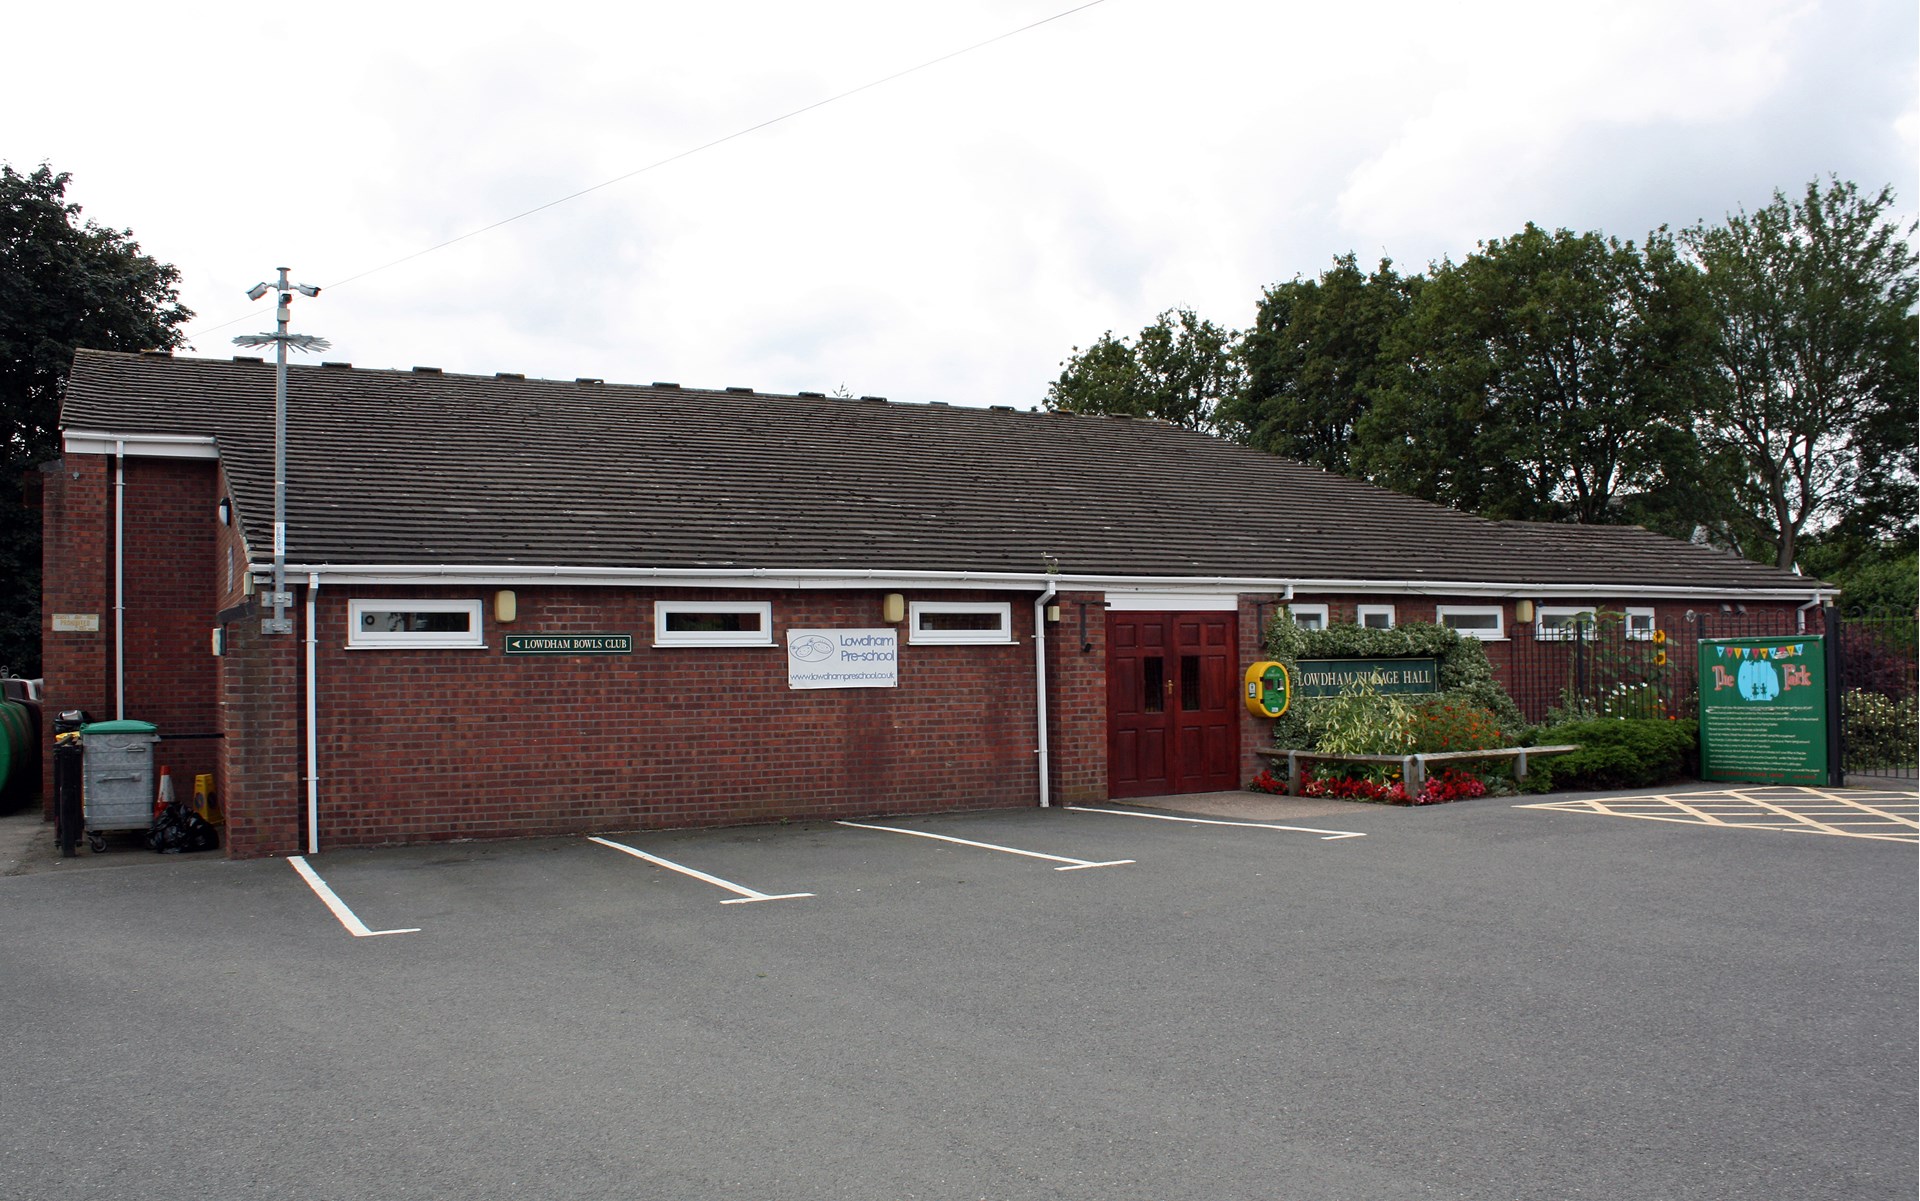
(1835, 637)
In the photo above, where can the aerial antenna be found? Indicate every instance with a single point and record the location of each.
(281, 599)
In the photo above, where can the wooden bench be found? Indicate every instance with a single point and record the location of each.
(1413, 768)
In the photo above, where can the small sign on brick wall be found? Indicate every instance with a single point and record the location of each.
(569, 644)
(76, 623)
(843, 658)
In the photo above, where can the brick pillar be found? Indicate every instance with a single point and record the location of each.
(1255, 732)
(1077, 687)
(262, 699)
(76, 582)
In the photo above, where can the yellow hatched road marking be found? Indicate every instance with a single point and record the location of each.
(1849, 816)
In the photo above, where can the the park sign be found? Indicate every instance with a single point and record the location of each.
(1764, 710)
(1331, 677)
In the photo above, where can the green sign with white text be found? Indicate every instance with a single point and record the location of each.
(1331, 677)
(1763, 710)
(569, 644)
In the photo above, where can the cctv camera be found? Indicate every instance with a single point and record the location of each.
(258, 290)
(306, 289)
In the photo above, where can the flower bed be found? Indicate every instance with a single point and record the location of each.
(1444, 786)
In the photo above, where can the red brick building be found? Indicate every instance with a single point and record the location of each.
(540, 607)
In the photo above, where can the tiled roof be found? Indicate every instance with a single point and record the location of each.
(421, 467)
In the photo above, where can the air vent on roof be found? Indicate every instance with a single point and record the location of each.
(938, 404)
(664, 384)
(1001, 408)
(158, 354)
(246, 358)
(426, 370)
(336, 366)
(748, 391)
(815, 395)
(509, 375)
(881, 399)
(588, 379)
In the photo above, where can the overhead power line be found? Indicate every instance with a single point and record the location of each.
(688, 153)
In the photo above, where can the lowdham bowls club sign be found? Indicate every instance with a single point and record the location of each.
(843, 658)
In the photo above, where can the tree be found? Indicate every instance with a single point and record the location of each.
(1313, 360)
(63, 285)
(1545, 378)
(1181, 369)
(1812, 391)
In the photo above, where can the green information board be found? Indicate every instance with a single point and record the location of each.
(1331, 677)
(1763, 710)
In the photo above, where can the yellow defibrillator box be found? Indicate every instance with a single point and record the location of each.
(1269, 689)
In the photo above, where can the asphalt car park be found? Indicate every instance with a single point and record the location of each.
(1477, 1000)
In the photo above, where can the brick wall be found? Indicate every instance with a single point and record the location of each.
(418, 745)
(168, 511)
(1077, 688)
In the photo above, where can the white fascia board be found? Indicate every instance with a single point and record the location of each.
(1523, 590)
(151, 446)
(759, 577)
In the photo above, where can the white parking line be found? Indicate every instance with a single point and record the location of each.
(354, 925)
(747, 895)
(1072, 865)
(1331, 835)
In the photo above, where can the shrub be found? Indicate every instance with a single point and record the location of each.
(1361, 721)
(1442, 724)
(1881, 731)
(1615, 753)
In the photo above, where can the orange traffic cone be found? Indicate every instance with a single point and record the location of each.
(165, 796)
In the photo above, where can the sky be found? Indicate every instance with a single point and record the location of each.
(950, 234)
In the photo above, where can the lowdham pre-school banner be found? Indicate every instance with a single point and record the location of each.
(1763, 710)
(843, 658)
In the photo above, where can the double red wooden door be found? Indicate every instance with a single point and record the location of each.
(1171, 722)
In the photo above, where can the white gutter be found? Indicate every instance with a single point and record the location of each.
(798, 578)
(313, 712)
(1040, 687)
(157, 446)
(119, 581)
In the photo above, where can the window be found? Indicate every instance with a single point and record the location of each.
(1485, 622)
(1374, 617)
(1558, 622)
(1640, 623)
(1309, 617)
(949, 622)
(713, 623)
(419, 624)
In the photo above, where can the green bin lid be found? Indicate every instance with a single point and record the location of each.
(119, 727)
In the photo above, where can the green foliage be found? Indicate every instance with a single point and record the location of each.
(1545, 378)
(1313, 361)
(1360, 721)
(1614, 753)
(1441, 724)
(1875, 577)
(1812, 393)
(1181, 369)
(64, 284)
(1465, 680)
(1881, 731)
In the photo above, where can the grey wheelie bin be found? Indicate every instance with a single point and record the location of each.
(117, 786)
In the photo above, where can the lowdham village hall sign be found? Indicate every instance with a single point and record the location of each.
(1331, 677)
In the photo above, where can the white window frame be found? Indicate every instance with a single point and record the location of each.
(1319, 611)
(919, 637)
(663, 637)
(1362, 612)
(473, 637)
(1543, 632)
(1641, 612)
(1498, 612)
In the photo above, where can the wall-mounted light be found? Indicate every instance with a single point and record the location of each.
(1053, 614)
(506, 607)
(226, 511)
(893, 608)
(1523, 611)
